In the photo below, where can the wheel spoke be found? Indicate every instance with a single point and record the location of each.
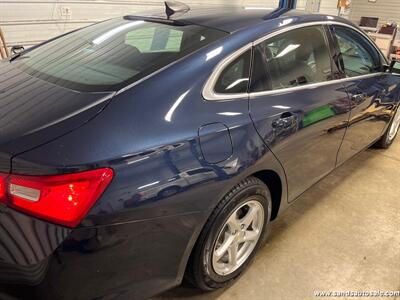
(224, 247)
(246, 221)
(249, 236)
(234, 223)
(233, 253)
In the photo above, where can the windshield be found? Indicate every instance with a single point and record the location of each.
(109, 55)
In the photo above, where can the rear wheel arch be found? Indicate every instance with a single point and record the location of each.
(195, 265)
(274, 183)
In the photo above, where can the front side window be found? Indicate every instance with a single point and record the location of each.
(359, 57)
(298, 57)
(234, 79)
(109, 55)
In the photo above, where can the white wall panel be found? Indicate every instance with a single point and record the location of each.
(329, 7)
(26, 22)
(385, 10)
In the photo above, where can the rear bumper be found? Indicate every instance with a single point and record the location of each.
(133, 260)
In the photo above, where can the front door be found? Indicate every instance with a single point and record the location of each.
(373, 93)
(297, 108)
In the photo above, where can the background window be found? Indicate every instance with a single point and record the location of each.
(235, 78)
(109, 55)
(359, 56)
(155, 39)
(294, 58)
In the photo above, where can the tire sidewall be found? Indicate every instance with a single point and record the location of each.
(385, 142)
(257, 192)
(388, 141)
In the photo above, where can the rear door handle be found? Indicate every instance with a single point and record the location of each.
(285, 120)
(287, 115)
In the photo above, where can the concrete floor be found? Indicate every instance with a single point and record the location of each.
(343, 234)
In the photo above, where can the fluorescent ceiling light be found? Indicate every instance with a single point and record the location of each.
(214, 53)
(148, 185)
(171, 111)
(287, 50)
(281, 107)
(235, 83)
(229, 113)
(115, 31)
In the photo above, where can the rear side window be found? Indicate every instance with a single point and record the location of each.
(109, 55)
(291, 59)
(234, 79)
(358, 55)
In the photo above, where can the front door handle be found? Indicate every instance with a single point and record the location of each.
(358, 98)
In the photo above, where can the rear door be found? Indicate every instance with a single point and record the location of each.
(372, 92)
(297, 106)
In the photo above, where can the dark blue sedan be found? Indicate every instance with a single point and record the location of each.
(145, 149)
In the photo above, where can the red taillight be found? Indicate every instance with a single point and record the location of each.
(63, 199)
(3, 188)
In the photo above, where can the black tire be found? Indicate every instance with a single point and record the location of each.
(386, 141)
(200, 271)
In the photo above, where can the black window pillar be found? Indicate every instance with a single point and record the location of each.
(289, 4)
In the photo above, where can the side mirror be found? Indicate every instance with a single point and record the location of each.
(17, 50)
(395, 66)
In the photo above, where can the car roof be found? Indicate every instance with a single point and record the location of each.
(234, 18)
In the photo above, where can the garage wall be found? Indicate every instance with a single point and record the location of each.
(329, 7)
(385, 10)
(28, 22)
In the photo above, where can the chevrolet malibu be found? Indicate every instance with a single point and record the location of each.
(145, 149)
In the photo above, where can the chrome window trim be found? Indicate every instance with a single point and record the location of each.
(366, 36)
(312, 85)
(211, 95)
(208, 90)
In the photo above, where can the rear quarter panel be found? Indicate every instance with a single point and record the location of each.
(149, 135)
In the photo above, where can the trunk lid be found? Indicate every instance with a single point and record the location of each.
(34, 111)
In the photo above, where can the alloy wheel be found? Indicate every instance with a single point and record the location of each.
(238, 237)
(394, 128)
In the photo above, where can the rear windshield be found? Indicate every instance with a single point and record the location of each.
(109, 55)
